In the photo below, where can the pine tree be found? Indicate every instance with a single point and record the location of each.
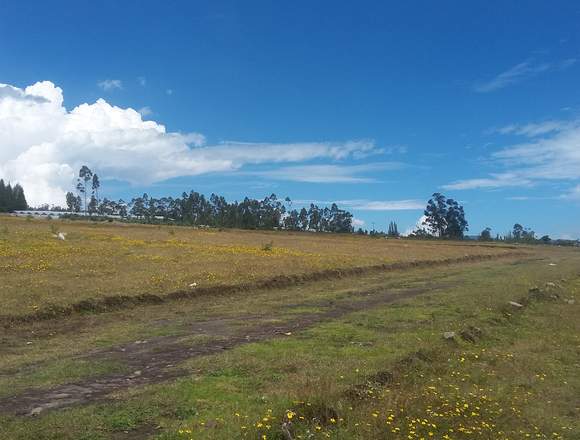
(3, 197)
(19, 200)
(393, 230)
(12, 198)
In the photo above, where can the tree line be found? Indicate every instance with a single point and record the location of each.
(194, 208)
(521, 234)
(12, 198)
(444, 218)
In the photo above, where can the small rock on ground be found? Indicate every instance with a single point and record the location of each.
(515, 304)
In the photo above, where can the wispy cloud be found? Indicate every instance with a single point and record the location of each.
(533, 129)
(383, 205)
(521, 72)
(371, 205)
(145, 111)
(330, 173)
(513, 75)
(500, 180)
(110, 84)
(572, 194)
(142, 81)
(567, 63)
(551, 152)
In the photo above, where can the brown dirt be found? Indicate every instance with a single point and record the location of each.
(154, 360)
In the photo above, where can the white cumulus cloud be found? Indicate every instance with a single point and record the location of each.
(42, 145)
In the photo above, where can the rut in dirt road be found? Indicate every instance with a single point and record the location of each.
(153, 361)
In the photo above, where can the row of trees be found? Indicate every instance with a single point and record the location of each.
(12, 197)
(195, 209)
(392, 231)
(443, 217)
(519, 234)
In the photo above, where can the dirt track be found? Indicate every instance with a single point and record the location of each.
(154, 360)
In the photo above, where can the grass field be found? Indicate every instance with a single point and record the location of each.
(99, 259)
(358, 355)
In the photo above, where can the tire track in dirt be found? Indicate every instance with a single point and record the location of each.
(154, 361)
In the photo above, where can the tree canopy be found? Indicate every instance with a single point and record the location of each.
(445, 217)
(194, 208)
(12, 198)
(393, 230)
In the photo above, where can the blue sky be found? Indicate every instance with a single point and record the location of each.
(373, 104)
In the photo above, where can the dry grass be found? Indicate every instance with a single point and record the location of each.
(98, 259)
(518, 377)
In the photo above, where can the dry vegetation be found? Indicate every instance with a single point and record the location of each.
(100, 259)
(356, 357)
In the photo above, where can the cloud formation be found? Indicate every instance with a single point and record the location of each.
(495, 180)
(521, 72)
(383, 205)
(370, 205)
(44, 144)
(551, 152)
(533, 129)
(572, 194)
(331, 173)
(110, 84)
(145, 111)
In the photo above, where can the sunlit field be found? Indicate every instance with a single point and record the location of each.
(482, 346)
(102, 259)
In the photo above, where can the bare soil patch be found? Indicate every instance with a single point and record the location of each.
(155, 360)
